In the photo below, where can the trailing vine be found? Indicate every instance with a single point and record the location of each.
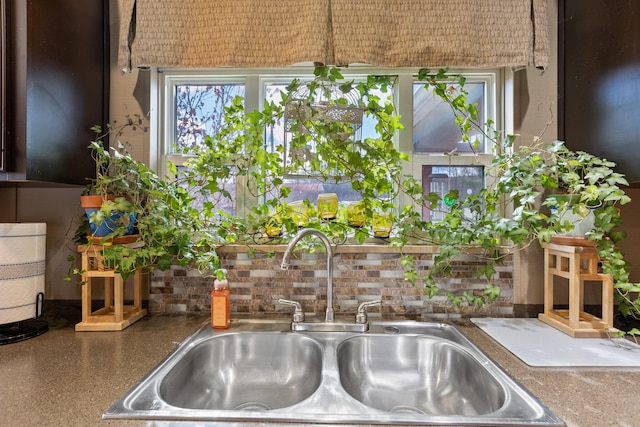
(508, 214)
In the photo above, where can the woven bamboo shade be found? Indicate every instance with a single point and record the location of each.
(217, 33)
(391, 33)
(463, 33)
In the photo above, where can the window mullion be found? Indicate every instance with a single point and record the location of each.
(245, 198)
(404, 104)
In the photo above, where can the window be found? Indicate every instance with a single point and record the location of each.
(192, 103)
(303, 185)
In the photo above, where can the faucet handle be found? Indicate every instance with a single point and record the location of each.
(298, 314)
(361, 316)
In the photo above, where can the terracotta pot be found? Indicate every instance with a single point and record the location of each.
(88, 202)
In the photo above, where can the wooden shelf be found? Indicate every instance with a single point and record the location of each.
(114, 315)
(577, 264)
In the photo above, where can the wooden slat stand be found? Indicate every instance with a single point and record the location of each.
(578, 264)
(114, 316)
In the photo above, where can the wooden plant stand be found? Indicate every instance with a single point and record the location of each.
(578, 264)
(114, 316)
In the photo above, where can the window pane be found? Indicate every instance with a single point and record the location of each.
(468, 180)
(434, 127)
(199, 110)
(310, 188)
(369, 122)
(302, 185)
(275, 135)
(218, 200)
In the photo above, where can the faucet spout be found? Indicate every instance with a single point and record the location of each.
(329, 316)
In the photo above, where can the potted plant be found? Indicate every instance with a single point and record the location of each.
(173, 228)
(169, 228)
(356, 214)
(525, 175)
(111, 200)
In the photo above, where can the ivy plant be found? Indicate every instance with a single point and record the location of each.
(527, 178)
(478, 225)
(169, 228)
(183, 219)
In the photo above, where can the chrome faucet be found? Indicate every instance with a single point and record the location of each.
(329, 316)
(329, 325)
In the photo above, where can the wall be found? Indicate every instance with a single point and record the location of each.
(535, 93)
(360, 274)
(535, 109)
(57, 206)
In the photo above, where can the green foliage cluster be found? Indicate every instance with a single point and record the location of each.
(520, 178)
(527, 179)
(181, 219)
(168, 222)
(373, 166)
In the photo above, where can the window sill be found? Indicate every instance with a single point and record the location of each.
(342, 248)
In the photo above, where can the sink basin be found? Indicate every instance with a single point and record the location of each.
(422, 375)
(252, 371)
(407, 373)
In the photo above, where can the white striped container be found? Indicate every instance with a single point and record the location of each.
(22, 267)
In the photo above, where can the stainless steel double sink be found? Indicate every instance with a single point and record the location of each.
(396, 373)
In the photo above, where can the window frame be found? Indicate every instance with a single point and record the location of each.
(499, 108)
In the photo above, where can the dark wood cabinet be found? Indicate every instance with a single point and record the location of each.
(56, 88)
(599, 80)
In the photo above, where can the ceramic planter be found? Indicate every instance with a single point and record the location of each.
(578, 214)
(92, 206)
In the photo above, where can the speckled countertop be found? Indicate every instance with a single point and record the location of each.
(68, 378)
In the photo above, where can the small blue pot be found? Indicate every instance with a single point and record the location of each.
(92, 204)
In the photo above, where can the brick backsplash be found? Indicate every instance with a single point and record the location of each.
(361, 273)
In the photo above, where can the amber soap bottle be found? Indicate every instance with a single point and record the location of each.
(220, 303)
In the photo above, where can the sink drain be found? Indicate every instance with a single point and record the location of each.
(405, 409)
(253, 406)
